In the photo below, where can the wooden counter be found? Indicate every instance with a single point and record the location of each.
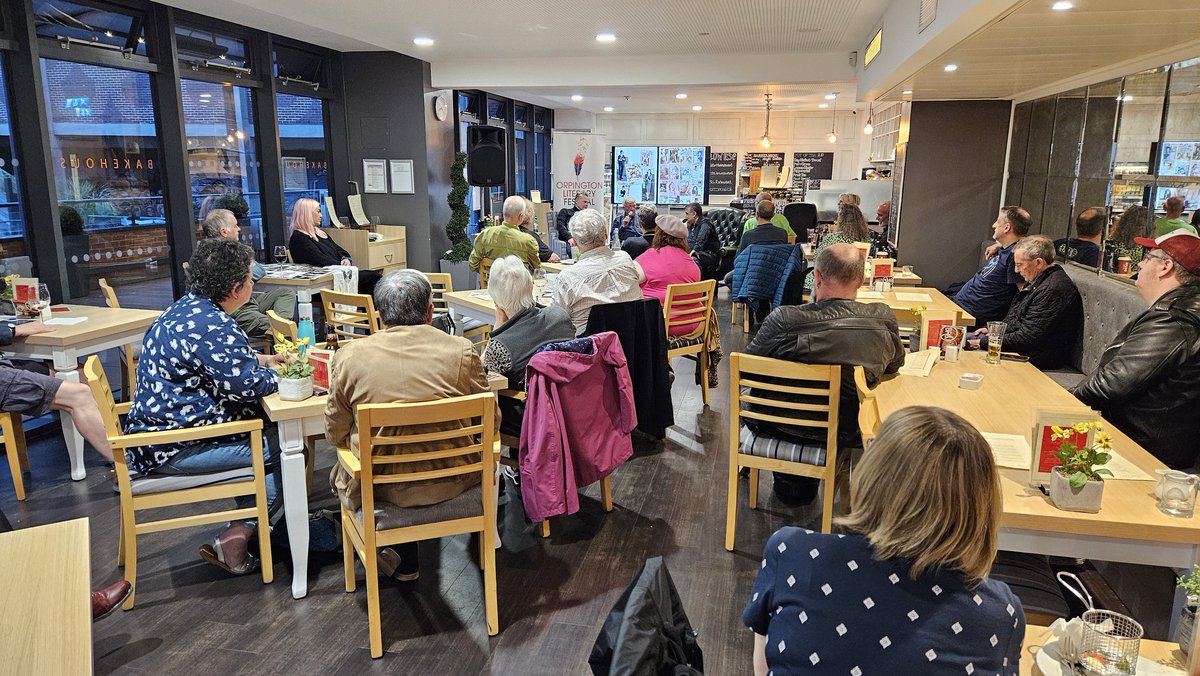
(385, 254)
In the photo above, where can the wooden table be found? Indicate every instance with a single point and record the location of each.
(556, 267)
(938, 301)
(1160, 652)
(297, 421)
(304, 287)
(902, 278)
(477, 305)
(104, 328)
(46, 626)
(1129, 527)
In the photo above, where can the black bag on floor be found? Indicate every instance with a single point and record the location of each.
(647, 631)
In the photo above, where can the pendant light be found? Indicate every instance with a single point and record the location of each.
(766, 137)
(868, 128)
(833, 137)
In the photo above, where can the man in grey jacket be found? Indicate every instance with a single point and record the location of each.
(833, 329)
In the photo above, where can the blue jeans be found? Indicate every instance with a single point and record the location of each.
(218, 456)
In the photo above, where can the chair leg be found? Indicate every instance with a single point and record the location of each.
(746, 312)
(704, 373)
(753, 488)
(13, 453)
(496, 501)
(606, 493)
(264, 535)
(370, 562)
(731, 504)
(348, 552)
(829, 487)
(130, 558)
(488, 562)
(545, 528)
(22, 447)
(121, 544)
(733, 312)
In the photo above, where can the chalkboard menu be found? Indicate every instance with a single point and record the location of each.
(811, 165)
(722, 173)
(760, 160)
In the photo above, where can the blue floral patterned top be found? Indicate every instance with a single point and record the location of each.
(196, 368)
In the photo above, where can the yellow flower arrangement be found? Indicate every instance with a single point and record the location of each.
(7, 293)
(1082, 464)
(297, 365)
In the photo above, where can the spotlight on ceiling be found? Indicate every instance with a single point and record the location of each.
(423, 42)
(950, 67)
(576, 97)
(608, 109)
(605, 37)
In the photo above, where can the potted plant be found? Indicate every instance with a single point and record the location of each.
(454, 260)
(1187, 616)
(235, 203)
(75, 247)
(1077, 485)
(295, 375)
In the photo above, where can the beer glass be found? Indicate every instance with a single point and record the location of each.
(995, 338)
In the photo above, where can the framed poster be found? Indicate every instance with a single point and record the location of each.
(682, 175)
(722, 173)
(635, 171)
(402, 177)
(811, 166)
(375, 176)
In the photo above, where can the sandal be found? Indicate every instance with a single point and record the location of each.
(235, 537)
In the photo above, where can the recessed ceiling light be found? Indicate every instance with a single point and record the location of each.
(681, 95)
(1062, 5)
(608, 109)
(950, 68)
(906, 92)
(605, 37)
(576, 97)
(822, 105)
(830, 97)
(1127, 97)
(423, 42)
(697, 108)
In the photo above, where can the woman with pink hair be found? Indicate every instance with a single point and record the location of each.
(310, 245)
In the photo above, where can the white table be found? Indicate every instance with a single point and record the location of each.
(105, 328)
(304, 287)
(474, 304)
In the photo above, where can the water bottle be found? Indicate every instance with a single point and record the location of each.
(305, 329)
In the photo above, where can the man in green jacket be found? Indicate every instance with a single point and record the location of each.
(507, 239)
(778, 220)
(1174, 218)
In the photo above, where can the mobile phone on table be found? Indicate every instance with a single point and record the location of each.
(1013, 356)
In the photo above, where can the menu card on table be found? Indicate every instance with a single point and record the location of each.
(914, 297)
(1043, 460)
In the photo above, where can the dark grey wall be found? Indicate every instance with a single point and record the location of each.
(439, 143)
(953, 172)
(387, 113)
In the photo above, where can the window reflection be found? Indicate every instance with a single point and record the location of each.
(12, 217)
(304, 153)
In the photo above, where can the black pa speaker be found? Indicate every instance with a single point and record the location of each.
(487, 157)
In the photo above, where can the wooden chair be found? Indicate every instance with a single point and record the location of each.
(383, 524)
(819, 382)
(155, 492)
(130, 352)
(14, 446)
(350, 315)
(687, 304)
(485, 270)
(868, 408)
(282, 328)
(442, 283)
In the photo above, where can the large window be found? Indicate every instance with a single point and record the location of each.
(303, 150)
(223, 155)
(107, 173)
(12, 217)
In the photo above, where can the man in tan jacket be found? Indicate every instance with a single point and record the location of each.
(410, 361)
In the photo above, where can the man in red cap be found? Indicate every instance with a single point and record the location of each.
(1148, 381)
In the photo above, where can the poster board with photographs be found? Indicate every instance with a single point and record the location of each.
(682, 175)
(635, 173)
(1179, 158)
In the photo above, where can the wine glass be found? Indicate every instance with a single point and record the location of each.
(281, 254)
(539, 281)
(41, 301)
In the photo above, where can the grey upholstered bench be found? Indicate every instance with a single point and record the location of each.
(1108, 305)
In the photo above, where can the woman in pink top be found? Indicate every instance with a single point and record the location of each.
(668, 262)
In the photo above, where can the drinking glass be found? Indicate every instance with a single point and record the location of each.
(39, 299)
(1178, 494)
(995, 339)
(539, 282)
(281, 254)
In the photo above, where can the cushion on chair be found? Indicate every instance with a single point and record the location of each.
(1068, 378)
(466, 505)
(763, 446)
(162, 483)
(683, 341)
(1032, 580)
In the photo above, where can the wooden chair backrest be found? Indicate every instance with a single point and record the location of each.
(763, 375)
(282, 328)
(377, 426)
(485, 270)
(868, 407)
(442, 283)
(687, 304)
(110, 294)
(97, 380)
(355, 318)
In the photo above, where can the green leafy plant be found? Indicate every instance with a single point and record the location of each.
(1082, 465)
(297, 365)
(460, 216)
(1191, 586)
(70, 222)
(233, 202)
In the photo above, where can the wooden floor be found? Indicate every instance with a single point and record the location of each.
(554, 594)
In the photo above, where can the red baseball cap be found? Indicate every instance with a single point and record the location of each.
(1181, 245)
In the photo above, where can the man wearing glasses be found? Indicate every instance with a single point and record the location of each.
(1148, 381)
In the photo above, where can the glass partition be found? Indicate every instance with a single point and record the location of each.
(1179, 162)
(303, 150)
(12, 217)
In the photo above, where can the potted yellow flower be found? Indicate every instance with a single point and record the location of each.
(1077, 485)
(295, 374)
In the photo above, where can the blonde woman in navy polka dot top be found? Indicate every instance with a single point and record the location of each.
(903, 589)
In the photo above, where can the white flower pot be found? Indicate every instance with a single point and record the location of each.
(1086, 498)
(295, 389)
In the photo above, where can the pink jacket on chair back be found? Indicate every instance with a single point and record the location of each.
(578, 417)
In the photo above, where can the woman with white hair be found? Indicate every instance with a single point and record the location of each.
(521, 327)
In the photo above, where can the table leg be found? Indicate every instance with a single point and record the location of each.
(295, 501)
(303, 304)
(457, 318)
(66, 368)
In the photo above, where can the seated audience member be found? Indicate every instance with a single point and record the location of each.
(1148, 380)
(703, 243)
(563, 218)
(1196, 219)
(850, 227)
(310, 245)
(1046, 317)
(777, 219)
(668, 263)
(850, 199)
(507, 239)
(409, 361)
(522, 326)
(925, 515)
(1132, 223)
(625, 223)
(833, 329)
(197, 368)
(638, 244)
(1084, 248)
(1173, 221)
(252, 317)
(765, 231)
(600, 275)
(988, 294)
(545, 255)
(882, 214)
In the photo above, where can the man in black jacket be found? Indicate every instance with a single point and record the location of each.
(1148, 381)
(582, 200)
(1046, 317)
(833, 329)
